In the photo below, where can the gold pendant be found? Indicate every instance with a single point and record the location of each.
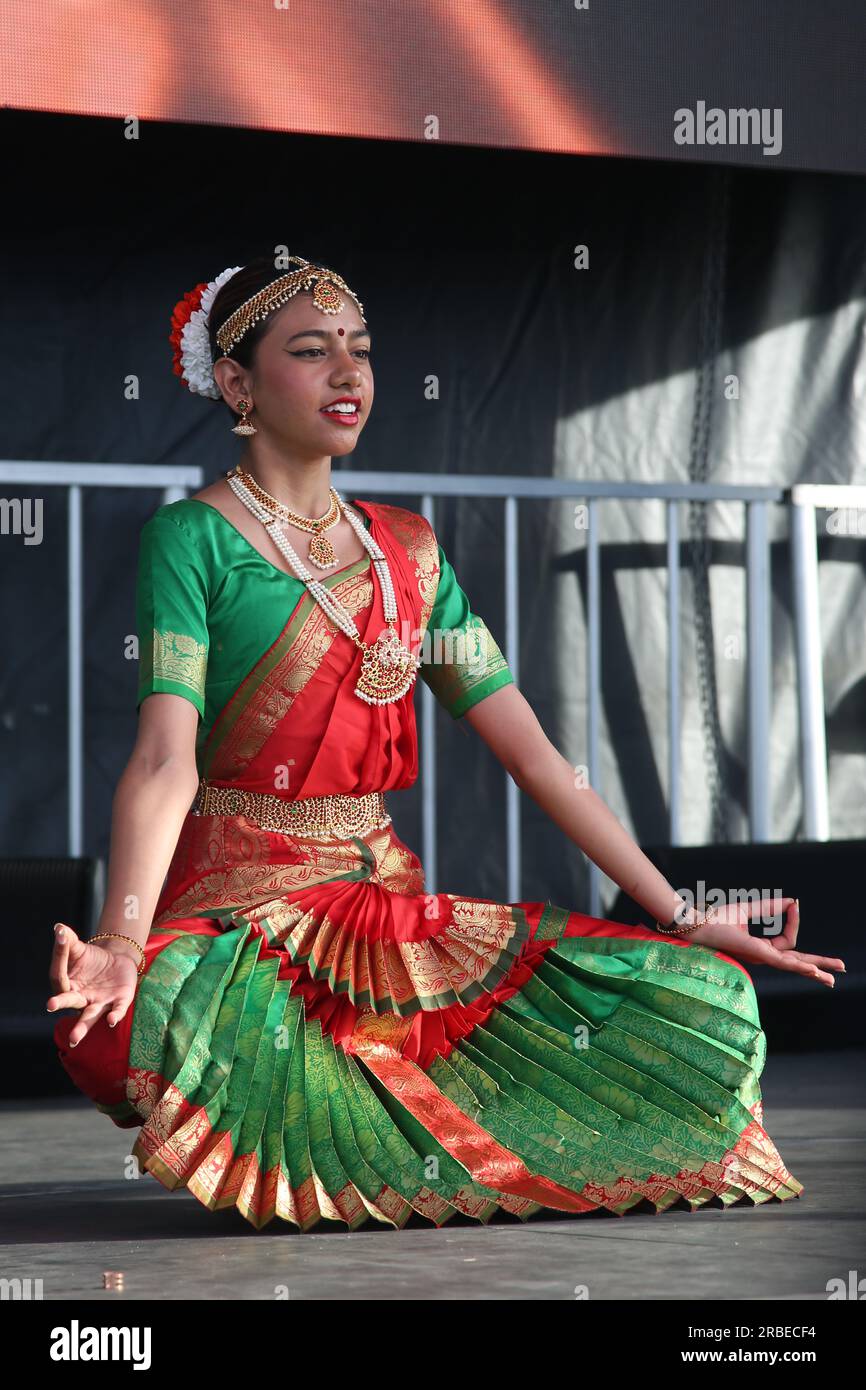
(387, 670)
(326, 298)
(322, 553)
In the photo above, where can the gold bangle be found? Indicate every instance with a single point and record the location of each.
(702, 919)
(101, 936)
(678, 931)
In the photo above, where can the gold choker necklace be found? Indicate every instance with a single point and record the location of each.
(321, 553)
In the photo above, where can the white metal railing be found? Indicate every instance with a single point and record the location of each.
(802, 500)
(806, 499)
(175, 481)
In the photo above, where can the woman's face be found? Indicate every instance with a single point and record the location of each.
(303, 362)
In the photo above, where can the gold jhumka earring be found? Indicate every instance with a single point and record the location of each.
(244, 426)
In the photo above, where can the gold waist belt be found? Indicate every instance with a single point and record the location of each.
(340, 815)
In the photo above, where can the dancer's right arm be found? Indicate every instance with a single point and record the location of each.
(151, 800)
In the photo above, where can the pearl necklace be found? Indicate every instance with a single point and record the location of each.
(387, 667)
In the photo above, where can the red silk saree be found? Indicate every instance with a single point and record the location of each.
(318, 1037)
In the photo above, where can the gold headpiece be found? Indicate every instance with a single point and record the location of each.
(279, 292)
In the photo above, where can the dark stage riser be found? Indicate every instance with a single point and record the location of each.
(798, 1014)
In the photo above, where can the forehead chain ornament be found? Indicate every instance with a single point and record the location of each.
(190, 336)
(325, 285)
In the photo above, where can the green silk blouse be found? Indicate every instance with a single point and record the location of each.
(208, 604)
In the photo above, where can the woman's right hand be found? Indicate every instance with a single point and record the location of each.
(91, 978)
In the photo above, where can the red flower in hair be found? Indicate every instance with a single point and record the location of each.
(180, 317)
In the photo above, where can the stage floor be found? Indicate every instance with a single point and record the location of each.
(67, 1214)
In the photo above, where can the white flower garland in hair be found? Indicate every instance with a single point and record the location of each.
(191, 338)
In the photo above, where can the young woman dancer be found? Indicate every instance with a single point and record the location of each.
(296, 1025)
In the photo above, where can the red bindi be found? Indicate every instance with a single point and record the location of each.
(341, 331)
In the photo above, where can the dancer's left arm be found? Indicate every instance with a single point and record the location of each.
(508, 725)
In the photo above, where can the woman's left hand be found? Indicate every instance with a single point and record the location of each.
(730, 933)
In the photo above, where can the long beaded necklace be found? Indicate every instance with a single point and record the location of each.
(321, 552)
(387, 667)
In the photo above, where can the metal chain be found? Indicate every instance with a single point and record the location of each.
(711, 317)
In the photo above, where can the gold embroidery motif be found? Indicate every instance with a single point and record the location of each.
(378, 1030)
(474, 950)
(178, 657)
(397, 863)
(415, 534)
(227, 862)
(663, 958)
(461, 660)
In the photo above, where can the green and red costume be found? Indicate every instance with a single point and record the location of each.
(317, 1036)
